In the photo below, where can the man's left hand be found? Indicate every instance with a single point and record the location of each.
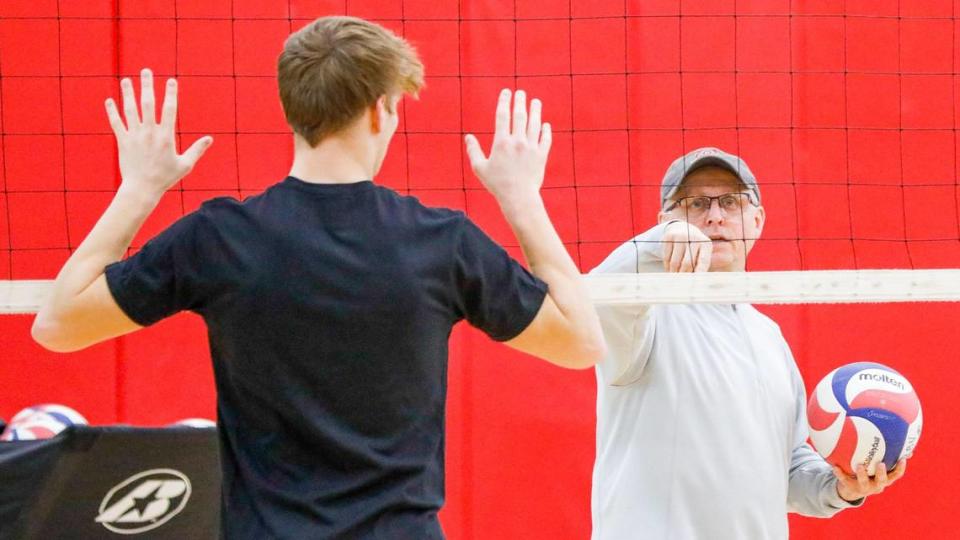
(853, 488)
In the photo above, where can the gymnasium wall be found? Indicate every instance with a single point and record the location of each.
(845, 110)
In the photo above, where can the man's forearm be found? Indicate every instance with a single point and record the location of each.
(549, 261)
(106, 243)
(538, 239)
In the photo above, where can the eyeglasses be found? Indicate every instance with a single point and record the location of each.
(731, 204)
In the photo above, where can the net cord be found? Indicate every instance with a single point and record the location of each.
(793, 287)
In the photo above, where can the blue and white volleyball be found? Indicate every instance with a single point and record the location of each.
(41, 422)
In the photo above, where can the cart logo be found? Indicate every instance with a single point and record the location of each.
(144, 501)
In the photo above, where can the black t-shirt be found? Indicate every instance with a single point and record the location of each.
(329, 309)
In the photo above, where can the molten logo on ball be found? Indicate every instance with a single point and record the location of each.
(864, 413)
(883, 377)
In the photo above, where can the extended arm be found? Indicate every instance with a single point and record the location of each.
(566, 330)
(80, 310)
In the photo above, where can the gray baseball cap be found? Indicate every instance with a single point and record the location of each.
(701, 157)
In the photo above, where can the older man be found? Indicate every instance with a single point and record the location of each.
(701, 425)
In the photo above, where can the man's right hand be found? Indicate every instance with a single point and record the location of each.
(686, 248)
(518, 157)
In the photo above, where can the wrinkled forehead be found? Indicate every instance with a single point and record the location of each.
(709, 180)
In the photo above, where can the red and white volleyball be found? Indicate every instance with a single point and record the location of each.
(866, 413)
(41, 422)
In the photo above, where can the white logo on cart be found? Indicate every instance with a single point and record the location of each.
(144, 501)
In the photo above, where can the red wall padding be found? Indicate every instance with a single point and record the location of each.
(846, 110)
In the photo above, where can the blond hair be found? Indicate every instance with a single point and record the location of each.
(334, 68)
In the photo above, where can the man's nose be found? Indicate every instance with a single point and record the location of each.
(714, 213)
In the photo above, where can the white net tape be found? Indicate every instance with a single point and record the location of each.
(800, 287)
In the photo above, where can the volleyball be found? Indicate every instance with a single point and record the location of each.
(866, 413)
(194, 422)
(41, 422)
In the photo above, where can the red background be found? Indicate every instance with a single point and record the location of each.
(845, 110)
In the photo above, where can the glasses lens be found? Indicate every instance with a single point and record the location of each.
(696, 206)
(731, 202)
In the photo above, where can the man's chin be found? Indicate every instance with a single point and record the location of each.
(722, 262)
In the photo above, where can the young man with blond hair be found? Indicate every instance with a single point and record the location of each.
(329, 300)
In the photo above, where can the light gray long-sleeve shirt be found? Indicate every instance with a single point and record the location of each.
(701, 421)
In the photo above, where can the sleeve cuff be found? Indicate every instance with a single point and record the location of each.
(839, 502)
(523, 318)
(114, 274)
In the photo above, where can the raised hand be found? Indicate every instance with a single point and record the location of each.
(518, 156)
(686, 248)
(149, 162)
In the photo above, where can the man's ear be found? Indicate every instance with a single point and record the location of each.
(760, 217)
(663, 217)
(379, 110)
(375, 110)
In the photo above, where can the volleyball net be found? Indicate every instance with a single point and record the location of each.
(846, 113)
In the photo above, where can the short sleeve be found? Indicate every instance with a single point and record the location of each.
(492, 290)
(165, 276)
